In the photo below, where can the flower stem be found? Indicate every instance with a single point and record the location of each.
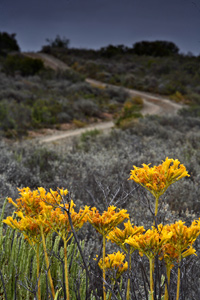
(168, 280)
(104, 270)
(129, 268)
(151, 277)
(178, 279)
(113, 284)
(156, 206)
(66, 270)
(47, 262)
(38, 270)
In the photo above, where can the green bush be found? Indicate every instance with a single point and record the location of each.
(23, 65)
(192, 111)
(130, 111)
(8, 43)
(15, 118)
(44, 112)
(58, 42)
(156, 48)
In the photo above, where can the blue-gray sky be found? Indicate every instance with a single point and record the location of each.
(97, 23)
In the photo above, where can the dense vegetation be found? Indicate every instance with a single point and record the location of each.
(8, 43)
(51, 99)
(33, 97)
(97, 160)
(95, 169)
(24, 66)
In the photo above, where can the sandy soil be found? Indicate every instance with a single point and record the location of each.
(152, 104)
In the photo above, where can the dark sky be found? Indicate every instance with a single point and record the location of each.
(97, 23)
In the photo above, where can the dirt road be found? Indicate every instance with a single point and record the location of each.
(152, 104)
(75, 132)
(49, 61)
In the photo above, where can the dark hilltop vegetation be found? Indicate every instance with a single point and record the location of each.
(95, 167)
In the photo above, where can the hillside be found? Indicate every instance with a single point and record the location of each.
(58, 112)
(176, 76)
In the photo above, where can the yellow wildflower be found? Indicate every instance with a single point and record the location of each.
(150, 243)
(158, 178)
(119, 236)
(108, 220)
(182, 239)
(31, 202)
(115, 262)
(28, 226)
(59, 222)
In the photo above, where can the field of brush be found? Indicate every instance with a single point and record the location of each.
(95, 169)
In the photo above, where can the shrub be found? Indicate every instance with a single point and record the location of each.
(89, 134)
(87, 108)
(156, 48)
(8, 43)
(13, 94)
(111, 51)
(178, 97)
(192, 111)
(24, 65)
(58, 42)
(130, 110)
(15, 118)
(79, 124)
(45, 112)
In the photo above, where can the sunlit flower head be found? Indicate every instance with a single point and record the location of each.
(115, 262)
(108, 220)
(119, 236)
(150, 243)
(30, 202)
(59, 221)
(28, 226)
(158, 178)
(39, 210)
(181, 242)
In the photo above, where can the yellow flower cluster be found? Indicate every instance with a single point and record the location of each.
(38, 208)
(39, 213)
(108, 220)
(27, 225)
(119, 236)
(31, 202)
(149, 243)
(158, 178)
(171, 242)
(182, 239)
(59, 220)
(115, 261)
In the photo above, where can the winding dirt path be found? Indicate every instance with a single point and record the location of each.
(76, 132)
(152, 104)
